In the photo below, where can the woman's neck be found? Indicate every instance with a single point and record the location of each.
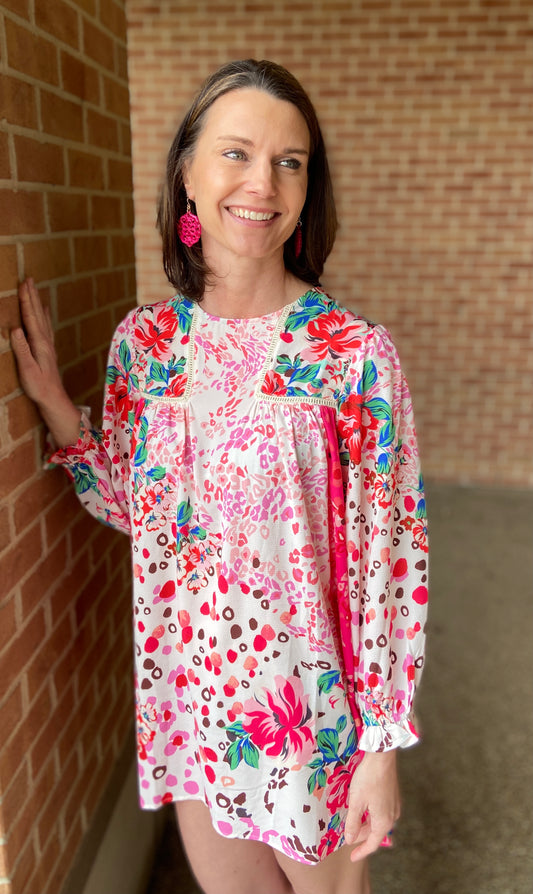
(251, 290)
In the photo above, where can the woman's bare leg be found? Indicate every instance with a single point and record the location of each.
(334, 875)
(227, 865)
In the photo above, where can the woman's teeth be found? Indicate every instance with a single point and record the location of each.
(251, 215)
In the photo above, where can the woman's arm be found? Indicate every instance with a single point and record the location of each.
(38, 369)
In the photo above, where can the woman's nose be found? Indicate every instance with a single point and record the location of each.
(261, 179)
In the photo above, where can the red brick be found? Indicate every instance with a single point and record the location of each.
(5, 527)
(19, 557)
(81, 377)
(17, 468)
(30, 53)
(98, 45)
(11, 713)
(90, 253)
(22, 212)
(8, 265)
(123, 250)
(8, 624)
(17, 101)
(5, 164)
(102, 131)
(96, 330)
(120, 175)
(106, 213)
(47, 259)
(51, 868)
(62, 595)
(67, 345)
(85, 169)
(8, 373)
(23, 860)
(39, 162)
(74, 298)
(45, 576)
(61, 117)
(58, 19)
(67, 211)
(61, 515)
(23, 416)
(39, 671)
(80, 78)
(21, 7)
(113, 17)
(109, 287)
(117, 98)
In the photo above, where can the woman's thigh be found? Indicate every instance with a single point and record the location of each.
(334, 875)
(227, 865)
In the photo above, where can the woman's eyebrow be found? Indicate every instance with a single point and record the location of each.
(247, 142)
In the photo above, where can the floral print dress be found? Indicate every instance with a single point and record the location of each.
(266, 471)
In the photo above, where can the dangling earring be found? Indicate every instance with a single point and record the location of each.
(298, 239)
(189, 227)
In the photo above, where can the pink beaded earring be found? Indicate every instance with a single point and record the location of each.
(189, 227)
(298, 238)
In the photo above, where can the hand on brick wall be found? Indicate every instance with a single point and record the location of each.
(38, 368)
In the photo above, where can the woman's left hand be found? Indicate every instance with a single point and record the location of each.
(374, 791)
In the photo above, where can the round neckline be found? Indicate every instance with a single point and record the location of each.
(274, 314)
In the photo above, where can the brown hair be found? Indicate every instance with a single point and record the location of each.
(185, 267)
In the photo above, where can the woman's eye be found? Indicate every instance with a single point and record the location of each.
(291, 163)
(237, 154)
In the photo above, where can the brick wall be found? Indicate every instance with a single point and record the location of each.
(426, 109)
(66, 217)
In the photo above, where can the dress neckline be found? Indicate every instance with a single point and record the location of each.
(273, 315)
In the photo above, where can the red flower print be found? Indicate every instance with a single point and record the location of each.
(420, 533)
(331, 335)
(273, 383)
(156, 335)
(117, 398)
(339, 783)
(384, 490)
(281, 726)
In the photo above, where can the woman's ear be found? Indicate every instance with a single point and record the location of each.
(186, 179)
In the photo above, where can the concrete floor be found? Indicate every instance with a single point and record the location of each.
(467, 789)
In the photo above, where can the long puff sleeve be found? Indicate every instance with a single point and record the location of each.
(386, 542)
(98, 463)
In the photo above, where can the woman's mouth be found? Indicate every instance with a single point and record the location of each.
(247, 214)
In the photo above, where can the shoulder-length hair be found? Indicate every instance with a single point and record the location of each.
(185, 267)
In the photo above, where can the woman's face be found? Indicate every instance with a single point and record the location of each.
(248, 176)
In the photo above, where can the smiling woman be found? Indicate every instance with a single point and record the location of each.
(258, 447)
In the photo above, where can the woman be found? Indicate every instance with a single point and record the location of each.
(258, 447)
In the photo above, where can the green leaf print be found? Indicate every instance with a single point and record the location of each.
(184, 512)
(84, 478)
(328, 742)
(386, 435)
(327, 681)
(370, 375)
(241, 748)
(379, 408)
(125, 356)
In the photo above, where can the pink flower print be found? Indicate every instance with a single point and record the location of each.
(177, 741)
(166, 717)
(156, 497)
(281, 727)
(331, 335)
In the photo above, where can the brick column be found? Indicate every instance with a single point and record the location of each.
(66, 218)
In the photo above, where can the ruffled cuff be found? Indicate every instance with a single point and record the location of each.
(60, 456)
(383, 728)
